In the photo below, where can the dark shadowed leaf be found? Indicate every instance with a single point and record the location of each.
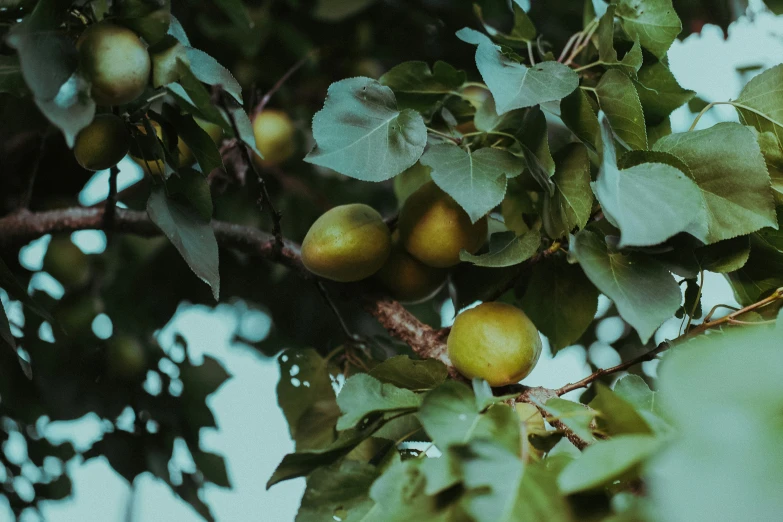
(363, 395)
(505, 249)
(404, 372)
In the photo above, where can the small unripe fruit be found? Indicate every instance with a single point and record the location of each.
(103, 143)
(434, 228)
(495, 342)
(407, 279)
(116, 62)
(67, 263)
(125, 357)
(347, 243)
(274, 132)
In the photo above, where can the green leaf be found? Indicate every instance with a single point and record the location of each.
(5, 330)
(476, 180)
(505, 249)
(607, 55)
(539, 497)
(577, 417)
(619, 100)
(634, 390)
(417, 78)
(644, 292)
(207, 70)
(11, 79)
(533, 133)
(404, 372)
(654, 23)
(763, 100)
(451, 415)
(196, 138)
(560, 301)
(579, 115)
(606, 461)
(213, 467)
(344, 488)
(724, 256)
(49, 62)
(515, 86)
(487, 119)
(773, 156)
(650, 202)
(190, 233)
(727, 472)
(570, 206)
(150, 20)
(306, 396)
(659, 92)
(336, 10)
(363, 395)
(616, 416)
(192, 187)
(359, 125)
(400, 496)
(521, 33)
(194, 97)
(733, 180)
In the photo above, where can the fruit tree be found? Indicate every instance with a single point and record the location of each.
(427, 199)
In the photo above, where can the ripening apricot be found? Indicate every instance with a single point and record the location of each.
(496, 342)
(347, 243)
(274, 132)
(406, 278)
(102, 143)
(125, 357)
(116, 62)
(434, 228)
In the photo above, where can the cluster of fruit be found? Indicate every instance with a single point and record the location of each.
(493, 341)
(118, 65)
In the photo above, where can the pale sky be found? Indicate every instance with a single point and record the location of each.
(252, 433)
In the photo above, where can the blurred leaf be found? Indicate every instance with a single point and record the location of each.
(404, 372)
(336, 10)
(192, 185)
(343, 488)
(360, 123)
(733, 180)
(561, 301)
(363, 395)
(653, 22)
(11, 79)
(605, 461)
(236, 12)
(505, 249)
(649, 202)
(16, 291)
(213, 467)
(644, 292)
(522, 32)
(570, 206)
(190, 233)
(618, 99)
(476, 180)
(399, 496)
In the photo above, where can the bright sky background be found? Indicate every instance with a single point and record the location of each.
(252, 433)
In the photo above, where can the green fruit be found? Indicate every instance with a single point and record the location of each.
(125, 357)
(116, 62)
(103, 143)
(75, 314)
(347, 243)
(434, 228)
(274, 132)
(67, 263)
(495, 342)
(406, 278)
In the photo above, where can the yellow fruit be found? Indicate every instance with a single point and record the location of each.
(102, 143)
(434, 228)
(125, 357)
(67, 263)
(476, 96)
(116, 62)
(406, 278)
(347, 243)
(496, 342)
(274, 132)
(151, 166)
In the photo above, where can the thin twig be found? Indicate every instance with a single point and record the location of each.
(530, 53)
(111, 201)
(265, 201)
(352, 337)
(568, 45)
(276, 87)
(583, 41)
(28, 193)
